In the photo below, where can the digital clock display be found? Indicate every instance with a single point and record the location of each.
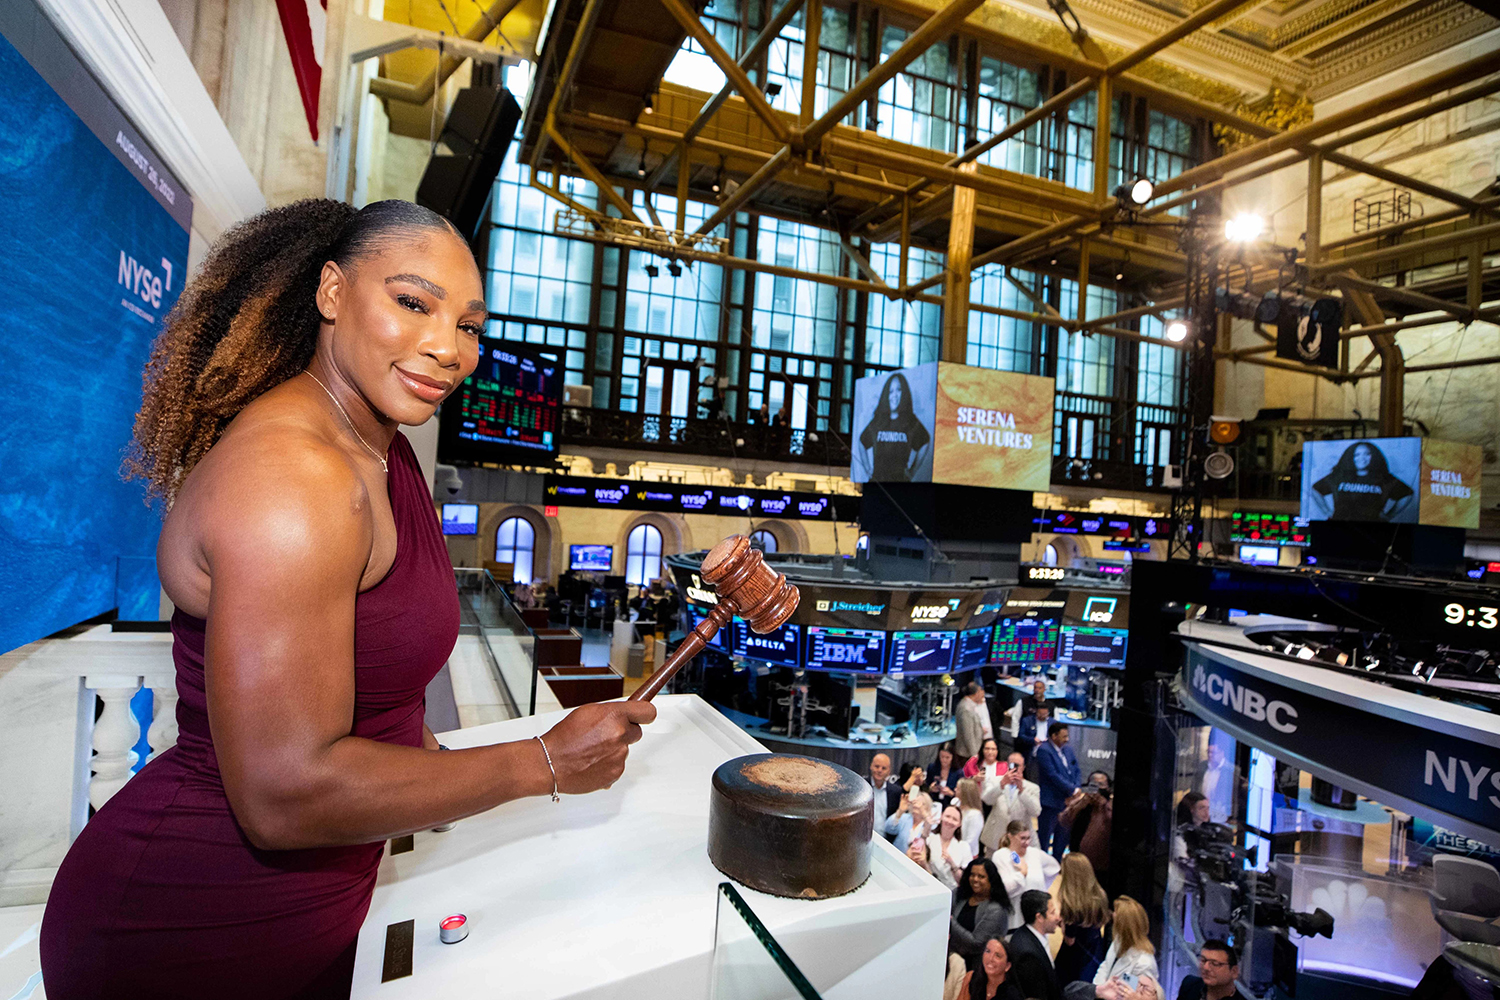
(1462, 614)
(1036, 573)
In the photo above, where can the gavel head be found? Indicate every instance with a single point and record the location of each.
(740, 575)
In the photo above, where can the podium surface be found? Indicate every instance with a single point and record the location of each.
(612, 894)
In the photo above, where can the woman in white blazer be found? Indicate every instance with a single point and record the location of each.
(1023, 866)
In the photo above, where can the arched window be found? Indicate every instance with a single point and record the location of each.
(862, 546)
(515, 541)
(1049, 555)
(764, 540)
(642, 555)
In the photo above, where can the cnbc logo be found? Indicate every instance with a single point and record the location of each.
(1100, 610)
(869, 609)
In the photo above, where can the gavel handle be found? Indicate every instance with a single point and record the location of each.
(689, 648)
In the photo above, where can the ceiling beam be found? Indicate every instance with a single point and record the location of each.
(731, 69)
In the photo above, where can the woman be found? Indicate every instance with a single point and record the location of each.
(894, 445)
(917, 851)
(980, 911)
(1360, 487)
(1131, 954)
(972, 810)
(1022, 866)
(945, 775)
(986, 764)
(915, 820)
(949, 852)
(989, 981)
(1085, 911)
(315, 600)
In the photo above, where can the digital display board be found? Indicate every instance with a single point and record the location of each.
(1095, 647)
(460, 519)
(973, 647)
(851, 649)
(597, 558)
(1024, 639)
(679, 498)
(922, 652)
(1267, 529)
(510, 408)
(781, 646)
(721, 638)
(1073, 522)
(1260, 554)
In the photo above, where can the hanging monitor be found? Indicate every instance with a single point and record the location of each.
(922, 652)
(508, 411)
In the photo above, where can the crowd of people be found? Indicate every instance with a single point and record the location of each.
(1020, 839)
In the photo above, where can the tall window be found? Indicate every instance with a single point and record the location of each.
(1049, 555)
(1000, 341)
(642, 555)
(919, 104)
(764, 539)
(515, 543)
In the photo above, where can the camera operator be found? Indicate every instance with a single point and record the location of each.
(1087, 817)
(1219, 973)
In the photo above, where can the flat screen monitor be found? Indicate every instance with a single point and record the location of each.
(1092, 647)
(856, 650)
(1024, 639)
(591, 557)
(781, 646)
(721, 638)
(1260, 555)
(922, 652)
(829, 699)
(509, 410)
(460, 519)
(974, 647)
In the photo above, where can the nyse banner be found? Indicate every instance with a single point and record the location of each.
(993, 428)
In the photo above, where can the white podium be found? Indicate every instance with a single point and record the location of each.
(612, 894)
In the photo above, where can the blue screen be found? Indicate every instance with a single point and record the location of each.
(974, 647)
(92, 262)
(460, 519)
(1098, 647)
(922, 652)
(856, 650)
(780, 646)
(720, 641)
(591, 557)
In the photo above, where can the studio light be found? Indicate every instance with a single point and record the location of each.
(1136, 193)
(652, 270)
(772, 89)
(640, 171)
(1244, 228)
(649, 109)
(1177, 331)
(674, 269)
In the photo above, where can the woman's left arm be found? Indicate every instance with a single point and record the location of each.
(429, 741)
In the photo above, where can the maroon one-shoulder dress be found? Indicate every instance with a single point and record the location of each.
(162, 895)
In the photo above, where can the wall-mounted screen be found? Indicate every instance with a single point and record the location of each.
(1366, 480)
(595, 558)
(922, 652)
(1095, 647)
(721, 638)
(677, 498)
(1260, 555)
(1024, 640)
(508, 410)
(973, 648)
(852, 649)
(781, 646)
(1267, 529)
(460, 519)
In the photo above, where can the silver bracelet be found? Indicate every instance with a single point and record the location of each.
(545, 753)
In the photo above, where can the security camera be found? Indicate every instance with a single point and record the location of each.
(446, 477)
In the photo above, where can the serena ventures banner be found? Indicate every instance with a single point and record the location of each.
(1394, 480)
(950, 423)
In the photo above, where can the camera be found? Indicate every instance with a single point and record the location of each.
(446, 477)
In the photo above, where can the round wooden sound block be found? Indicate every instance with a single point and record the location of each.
(791, 826)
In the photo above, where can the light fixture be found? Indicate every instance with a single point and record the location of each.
(640, 171)
(772, 89)
(1136, 193)
(649, 109)
(674, 269)
(1244, 228)
(719, 177)
(1177, 331)
(652, 270)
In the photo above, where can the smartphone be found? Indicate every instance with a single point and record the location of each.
(1129, 981)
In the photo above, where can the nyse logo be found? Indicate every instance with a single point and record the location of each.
(1100, 610)
(142, 282)
(930, 613)
(1245, 700)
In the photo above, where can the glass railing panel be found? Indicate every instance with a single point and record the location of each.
(748, 963)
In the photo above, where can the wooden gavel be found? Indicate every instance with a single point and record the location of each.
(747, 587)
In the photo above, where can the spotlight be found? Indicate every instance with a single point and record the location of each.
(1119, 275)
(1054, 261)
(652, 270)
(1244, 228)
(1177, 331)
(674, 269)
(649, 109)
(640, 171)
(1136, 193)
(772, 89)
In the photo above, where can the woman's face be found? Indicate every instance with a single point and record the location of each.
(893, 395)
(952, 819)
(1021, 842)
(1200, 812)
(1362, 458)
(405, 323)
(996, 961)
(945, 758)
(989, 752)
(979, 882)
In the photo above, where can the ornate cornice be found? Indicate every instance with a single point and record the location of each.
(1405, 40)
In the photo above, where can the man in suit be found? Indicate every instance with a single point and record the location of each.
(1010, 797)
(1219, 966)
(1033, 733)
(973, 719)
(1030, 960)
(887, 791)
(1057, 774)
(1218, 780)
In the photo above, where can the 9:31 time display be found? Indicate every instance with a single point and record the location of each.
(1462, 614)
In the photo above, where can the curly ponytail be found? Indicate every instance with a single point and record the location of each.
(247, 322)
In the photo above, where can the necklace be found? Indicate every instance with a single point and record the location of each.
(378, 456)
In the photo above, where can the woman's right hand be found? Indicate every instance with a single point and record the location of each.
(589, 745)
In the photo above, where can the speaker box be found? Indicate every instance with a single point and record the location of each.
(479, 130)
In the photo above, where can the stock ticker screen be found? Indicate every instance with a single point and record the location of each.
(1024, 640)
(922, 652)
(780, 646)
(973, 648)
(1094, 647)
(509, 408)
(720, 641)
(852, 649)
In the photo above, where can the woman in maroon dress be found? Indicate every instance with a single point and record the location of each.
(315, 601)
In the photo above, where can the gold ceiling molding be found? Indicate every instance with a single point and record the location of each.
(1414, 36)
(1280, 109)
(1350, 23)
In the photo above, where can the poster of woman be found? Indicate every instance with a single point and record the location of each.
(893, 434)
(1366, 480)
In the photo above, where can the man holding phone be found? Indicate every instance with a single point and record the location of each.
(1010, 797)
